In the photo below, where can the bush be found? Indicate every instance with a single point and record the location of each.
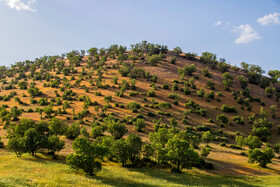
(228, 109)
(151, 114)
(239, 120)
(203, 128)
(206, 72)
(173, 60)
(139, 125)
(151, 93)
(73, 131)
(165, 86)
(154, 59)
(222, 118)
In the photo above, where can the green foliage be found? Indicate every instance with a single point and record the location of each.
(151, 93)
(177, 50)
(154, 59)
(210, 85)
(239, 120)
(73, 131)
(16, 145)
(208, 57)
(253, 142)
(189, 70)
(179, 154)
(263, 157)
(32, 141)
(133, 106)
(139, 125)
(243, 81)
(222, 118)
(84, 157)
(173, 60)
(205, 151)
(206, 72)
(116, 128)
(54, 144)
(206, 137)
(228, 109)
(57, 126)
(227, 80)
(33, 92)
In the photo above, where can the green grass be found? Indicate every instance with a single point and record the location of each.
(31, 171)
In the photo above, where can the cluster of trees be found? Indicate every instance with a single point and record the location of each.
(169, 147)
(255, 154)
(29, 137)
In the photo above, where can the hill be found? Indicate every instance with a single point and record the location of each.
(146, 89)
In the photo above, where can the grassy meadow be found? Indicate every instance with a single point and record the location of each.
(42, 171)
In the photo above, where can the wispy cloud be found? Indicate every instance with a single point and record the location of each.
(218, 23)
(21, 5)
(247, 34)
(269, 19)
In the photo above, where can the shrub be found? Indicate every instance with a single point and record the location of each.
(139, 125)
(133, 106)
(154, 59)
(222, 118)
(165, 86)
(151, 93)
(228, 109)
(173, 60)
(239, 120)
(203, 128)
(206, 72)
(73, 131)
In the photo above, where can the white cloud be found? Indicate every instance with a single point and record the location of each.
(20, 5)
(218, 23)
(269, 19)
(247, 34)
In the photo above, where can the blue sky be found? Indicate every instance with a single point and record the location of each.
(237, 30)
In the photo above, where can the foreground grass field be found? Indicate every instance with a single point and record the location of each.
(31, 171)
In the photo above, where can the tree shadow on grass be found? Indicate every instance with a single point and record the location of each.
(186, 179)
(235, 169)
(118, 181)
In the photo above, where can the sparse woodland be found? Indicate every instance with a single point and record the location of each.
(148, 106)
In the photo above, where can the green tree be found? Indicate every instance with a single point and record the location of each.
(205, 151)
(207, 137)
(263, 157)
(243, 81)
(54, 144)
(16, 145)
(119, 150)
(116, 128)
(57, 126)
(240, 140)
(177, 50)
(139, 125)
(277, 149)
(179, 154)
(227, 80)
(134, 147)
(73, 131)
(15, 113)
(253, 142)
(85, 156)
(32, 141)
